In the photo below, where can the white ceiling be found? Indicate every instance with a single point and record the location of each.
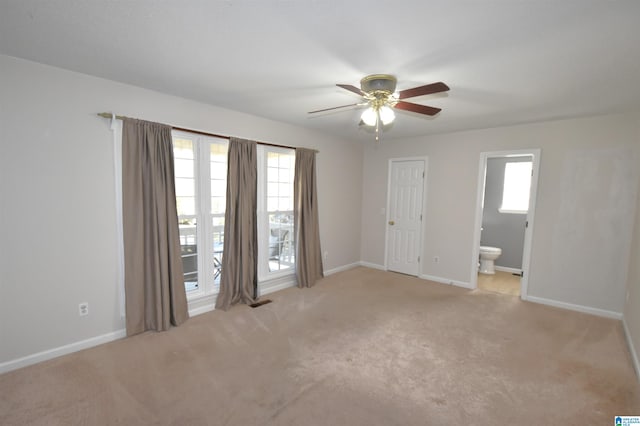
(506, 61)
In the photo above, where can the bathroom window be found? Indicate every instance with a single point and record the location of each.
(517, 185)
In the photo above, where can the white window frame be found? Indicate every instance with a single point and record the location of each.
(506, 191)
(204, 229)
(263, 218)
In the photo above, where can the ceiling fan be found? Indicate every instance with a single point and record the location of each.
(379, 93)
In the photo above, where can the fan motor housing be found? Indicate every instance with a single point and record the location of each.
(378, 83)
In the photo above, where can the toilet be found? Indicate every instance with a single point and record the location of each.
(487, 256)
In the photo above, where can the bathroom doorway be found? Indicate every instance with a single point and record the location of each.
(504, 220)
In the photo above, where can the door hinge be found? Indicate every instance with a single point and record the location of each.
(526, 224)
(418, 259)
(422, 175)
(420, 217)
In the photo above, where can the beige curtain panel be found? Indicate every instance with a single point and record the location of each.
(154, 282)
(308, 252)
(239, 279)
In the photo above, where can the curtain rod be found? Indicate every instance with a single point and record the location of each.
(121, 117)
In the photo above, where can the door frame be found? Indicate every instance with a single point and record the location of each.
(388, 204)
(528, 233)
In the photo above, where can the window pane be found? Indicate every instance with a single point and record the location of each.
(517, 184)
(185, 187)
(218, 205)
(278, 185)
(285, 203)
(184, 164)
(272, 204)
(186, 206)
(182, 148)
(218, 171)
(217, 223)
(217, 227)
(272, 174)
(195, 158)
(183, 168)
(218, 196)
(218, 187)
(272, 190)
(285, 190)
(218, 159)
(284, 175)
(189, 252)
(218, 152)
(272, 159)
(218, 162)
(281, 247)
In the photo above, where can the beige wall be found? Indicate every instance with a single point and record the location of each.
(632, 305)
(58, 236)
(584, 215)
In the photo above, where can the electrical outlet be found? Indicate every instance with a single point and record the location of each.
(83, 309)
(436, 259)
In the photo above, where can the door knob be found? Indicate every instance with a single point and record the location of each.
(391, 222)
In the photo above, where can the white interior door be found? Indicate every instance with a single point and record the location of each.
(406, 186)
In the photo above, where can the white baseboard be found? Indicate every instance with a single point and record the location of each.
(632, 348)
(572, 307)
(372, 265)
(61, 350)
(341, 268)
(202, 309)
(423, 276)
(445, 281)
(276, 285)
(507, 269)
(202, 305)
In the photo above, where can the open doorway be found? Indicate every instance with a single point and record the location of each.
(507, 184)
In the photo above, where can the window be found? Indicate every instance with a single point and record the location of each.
(517, 185)
(201, 184)
(276, 253)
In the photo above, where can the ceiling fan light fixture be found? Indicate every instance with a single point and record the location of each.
(386, 115)
(378, 92)
(378, 82)
(369, 116)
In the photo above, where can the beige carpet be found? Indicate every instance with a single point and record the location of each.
(363, 347)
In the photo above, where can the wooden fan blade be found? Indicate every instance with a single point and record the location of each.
(423, 90)
(329, 109)
(351, 88)
(420, 109)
